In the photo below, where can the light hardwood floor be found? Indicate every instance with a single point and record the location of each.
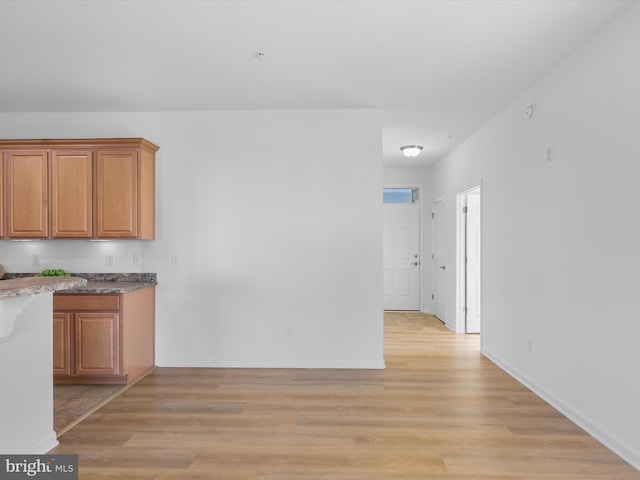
(438, 411)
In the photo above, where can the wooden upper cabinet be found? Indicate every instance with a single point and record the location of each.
(125, 194)
(27, 193)
(78, 188)
(71, 194)
(117, 194)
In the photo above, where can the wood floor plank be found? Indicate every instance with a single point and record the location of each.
(440, 410)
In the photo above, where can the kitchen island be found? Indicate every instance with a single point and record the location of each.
(26, 362)
(103, 329)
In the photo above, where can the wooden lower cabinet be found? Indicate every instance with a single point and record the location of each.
(103, 339)
(61, 343)
(96, 344)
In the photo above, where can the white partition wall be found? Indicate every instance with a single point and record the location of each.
(26, 379)
(268, 240)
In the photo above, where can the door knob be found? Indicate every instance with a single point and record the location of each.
(443, 267)
(415, 256)
(414, 263)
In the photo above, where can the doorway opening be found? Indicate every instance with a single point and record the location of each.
(402, 248)
(469, 253)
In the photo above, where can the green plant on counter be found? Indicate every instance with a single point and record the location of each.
(53, 272)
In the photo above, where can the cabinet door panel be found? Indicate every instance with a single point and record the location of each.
(62, 344)
(97, 346)
(117, 194)
(64, 301)
(72, 194)
(27, 193)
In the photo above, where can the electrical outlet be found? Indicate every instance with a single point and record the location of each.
(174, 260)
(137, 259)
(530, 345)
(288, 330)
(108, 260)
(36, 260)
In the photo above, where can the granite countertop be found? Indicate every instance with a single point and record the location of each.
(108, 287)
(21, 287)
(96, 283)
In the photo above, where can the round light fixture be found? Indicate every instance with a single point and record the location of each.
(411, 150)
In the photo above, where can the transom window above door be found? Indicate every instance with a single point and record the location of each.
(400, 195)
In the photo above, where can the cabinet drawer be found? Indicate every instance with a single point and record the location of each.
(86, 302)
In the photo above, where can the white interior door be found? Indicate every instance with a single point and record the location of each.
(438, 262)
(401, 262)
(473, 263)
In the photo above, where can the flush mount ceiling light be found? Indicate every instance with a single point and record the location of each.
(411, 150)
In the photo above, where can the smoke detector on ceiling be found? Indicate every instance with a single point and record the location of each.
(528, 111)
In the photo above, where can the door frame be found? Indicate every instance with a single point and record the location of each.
(419, 187)
(461, 287)
(435, 266)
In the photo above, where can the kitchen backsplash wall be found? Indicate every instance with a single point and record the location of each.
(72, 255)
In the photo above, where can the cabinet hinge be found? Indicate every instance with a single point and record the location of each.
(433, 297)
(433, 215)
(464, 209)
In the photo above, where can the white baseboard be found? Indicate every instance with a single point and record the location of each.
(366, 364)
(611, 443)
(44, 445)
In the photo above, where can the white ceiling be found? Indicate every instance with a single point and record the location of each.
(437, 69)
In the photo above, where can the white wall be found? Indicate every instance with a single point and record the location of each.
(417, 176)
(560, 238)
(275, 217)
